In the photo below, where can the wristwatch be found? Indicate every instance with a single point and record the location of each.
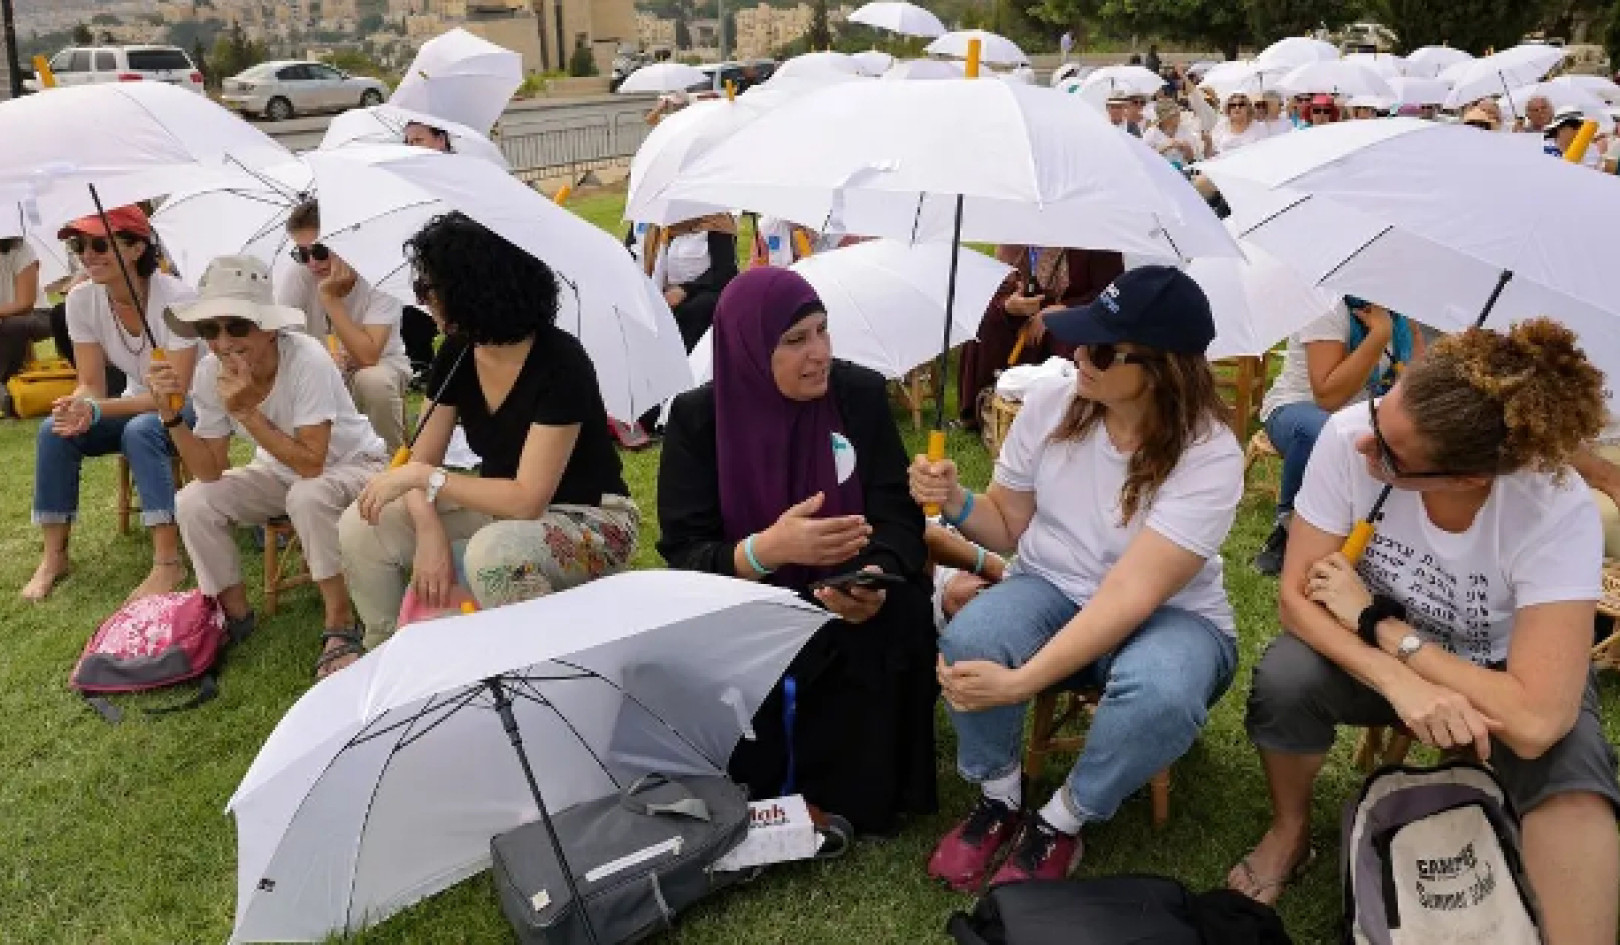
(1383, 607)
(436, 481)
(174, 421)
(1410, 644)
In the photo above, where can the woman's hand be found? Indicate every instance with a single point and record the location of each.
(388, 486)
(70, 416)
(433, 569)
(854, 604)
(1334, 583)
(798, 537)
(1377, 320)
(1022, 305)
(339, 282)
(1441, 718)
(934, 482)
(674, 295)
(235, 387)
(164, 383)
(976, 685)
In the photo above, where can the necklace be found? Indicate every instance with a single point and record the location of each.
(123, 335)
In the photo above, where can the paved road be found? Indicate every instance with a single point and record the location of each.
(521, 118)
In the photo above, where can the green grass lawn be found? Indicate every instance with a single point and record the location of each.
(114, 835)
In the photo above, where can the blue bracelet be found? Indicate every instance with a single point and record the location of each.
(967, 512)
(753, 562)
(978, 564)
(95, 411)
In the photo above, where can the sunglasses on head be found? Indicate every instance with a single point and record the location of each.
(423, 289)
(210, 328)
(315, 251)
(77, 245)
(1391, 466)
(1103, 357)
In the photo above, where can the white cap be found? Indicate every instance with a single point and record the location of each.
(235, 287)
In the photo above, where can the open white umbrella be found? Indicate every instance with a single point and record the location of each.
(1296, 51)
(239, 214)
(1244, 77)
(1131, 80)
(1561, 94)
(907, 19)
(664, 77)
(817, 65)
(872, 63)
(1386, 65)
(1257, 301)
(681, 139)
(14, 223)
(1600, 86)
(924, 69)
(462, 78)
(1499, 74)
(994, 48)
(1339, 77)
(384, 783)
(1410, 91)
(385, 124)
(1429, 61)
(374, 199)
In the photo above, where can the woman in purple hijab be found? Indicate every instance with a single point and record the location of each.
(788, 468)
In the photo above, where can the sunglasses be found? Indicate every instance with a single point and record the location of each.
(209, 329)
(316, 251)
(1233, 106)
(423, 290)
(1103, 357)
(1482, 125)
(1321, 111)
(95, 244)
(1391, 466)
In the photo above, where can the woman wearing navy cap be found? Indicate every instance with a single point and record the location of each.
(1116, 493)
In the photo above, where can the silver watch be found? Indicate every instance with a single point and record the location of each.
(436, 481)
(1410, 644)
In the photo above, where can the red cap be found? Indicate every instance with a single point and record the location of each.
(1324, 100)
(131, 219)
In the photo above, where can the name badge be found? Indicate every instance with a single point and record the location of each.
(843, 457)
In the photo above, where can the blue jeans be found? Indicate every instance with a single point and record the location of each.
(1293, 429)
(1157, 688)
(142, 440)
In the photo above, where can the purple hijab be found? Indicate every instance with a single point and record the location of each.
(772, 452)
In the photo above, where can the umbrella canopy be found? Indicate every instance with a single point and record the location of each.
(925, 69)
(872, 63)
(1562, 94)
(383, 784)
(1340, 77)
(679, 140)
(374, 199)
(1390, 211)
(1429, 61)
(1410, 91)
(385, 124)
(1603, 88)
(664, 77)
(1385, 65)
(907, 19)
(1507, 70)
(1131, 80)
(818, 65)
(1245, 78)
(1029, 166)
(461, 78)
(1257, 301)
(241, 214)
(1296, 51)
(993, 48)
(15, 210)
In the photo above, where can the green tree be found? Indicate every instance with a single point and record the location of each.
(370, 23)
(1275, 19)
(82, 35)
(199, 58)
(581, 62)
(1474, 25)
(820, 35)
(1611, 36)
(1221, 24)
(106, 19)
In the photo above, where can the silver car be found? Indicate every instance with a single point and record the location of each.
(280, 90)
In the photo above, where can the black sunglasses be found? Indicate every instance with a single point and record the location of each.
(1386, 457)
(1232, 105)
(1322, 111)
(209, 329)
(96, 244)
(423, 289)
(1482, 125)
(1103, 357)
(316, 251)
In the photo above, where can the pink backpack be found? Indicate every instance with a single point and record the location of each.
(152, 643)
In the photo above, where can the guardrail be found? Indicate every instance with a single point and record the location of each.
(577, 145)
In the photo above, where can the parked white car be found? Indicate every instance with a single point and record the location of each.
(280, 90)
(90, 65)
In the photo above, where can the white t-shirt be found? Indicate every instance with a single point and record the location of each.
(1279, 126)
(1156, 139)
(366, 306)
(1535, 541)
(1293, 384)
(1224, 139)
(1075, 536)
(12, 264)
(778, 236)
(90, 321)
(308, 390)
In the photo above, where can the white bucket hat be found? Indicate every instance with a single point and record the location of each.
(235, 287)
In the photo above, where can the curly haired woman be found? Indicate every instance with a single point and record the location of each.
(1469, 618)
(549, 508)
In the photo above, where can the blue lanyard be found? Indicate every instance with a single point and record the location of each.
(790, 708)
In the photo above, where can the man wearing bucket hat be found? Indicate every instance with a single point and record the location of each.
(1116, 490)
(276, 386)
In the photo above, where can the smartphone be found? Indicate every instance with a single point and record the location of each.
(866, 580)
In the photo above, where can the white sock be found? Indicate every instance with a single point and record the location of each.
(1008, 790)
(1057, 814)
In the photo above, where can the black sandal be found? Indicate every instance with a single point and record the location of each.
(837, 836)
(353, 645)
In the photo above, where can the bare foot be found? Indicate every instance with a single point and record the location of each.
(1275, 863)
(164, 577)
(45, 579)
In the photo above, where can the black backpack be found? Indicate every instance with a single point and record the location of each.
(1115, 910)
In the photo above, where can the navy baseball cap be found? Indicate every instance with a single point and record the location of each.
(1158, 307)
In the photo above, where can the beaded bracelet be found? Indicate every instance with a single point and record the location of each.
(753, 562)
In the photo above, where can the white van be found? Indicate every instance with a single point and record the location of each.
(90, 65)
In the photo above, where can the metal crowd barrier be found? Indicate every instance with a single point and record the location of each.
(582, 145)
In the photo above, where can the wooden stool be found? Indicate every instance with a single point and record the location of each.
(126, 489)
(1606, 654)
(1382, 745)
(1259, 448)
(1242, 383)
(1056, 708)
(996, 416)
(283, 569)
(914, 390)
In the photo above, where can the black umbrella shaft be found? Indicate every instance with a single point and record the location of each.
(123, 269)
(503, 708)
(950, 313)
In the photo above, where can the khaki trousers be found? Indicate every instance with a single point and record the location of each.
(379, 393)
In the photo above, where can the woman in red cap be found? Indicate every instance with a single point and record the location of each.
(106, 327)
(1324, 110)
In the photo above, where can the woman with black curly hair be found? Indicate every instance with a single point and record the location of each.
(1469, 618)
(549, 508)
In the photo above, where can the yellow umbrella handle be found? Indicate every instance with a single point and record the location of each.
(802, 243)
(1355, 545)
(936, 452)
(562, 195)
(401, 457)
(42, 68)
(1583, 140)
(975, 51)
(176, 401)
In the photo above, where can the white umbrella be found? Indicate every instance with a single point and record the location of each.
(1507, 70)
(1604, 88)
(1386, 65)
(385, 124)
(1340, 77)
(462, 78)
(925, 69)
(817, 65)
(1246, 78)
(1023, 75)
(374, 199)
(872, 63)
(994, 48)
(1296, 51)
(1561, 94)
(384, 783)
(1131, 80)
(241, 214)
(664, 77)
(1410, 91)
(907, 19)
(1429, 61)
(681, 139)
(1257, 301)
(14, 223)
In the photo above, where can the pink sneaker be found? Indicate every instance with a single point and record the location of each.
(1040, 852)
(964, 857)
